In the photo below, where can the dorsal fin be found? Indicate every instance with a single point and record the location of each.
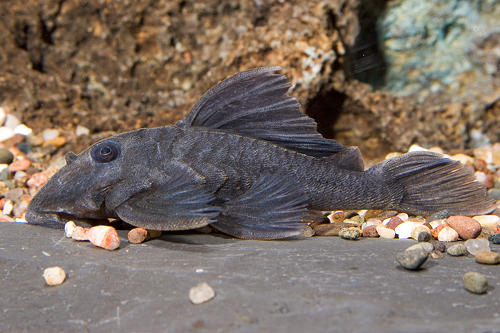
(255, 103)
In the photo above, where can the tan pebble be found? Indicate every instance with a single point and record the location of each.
(488, 258)
(464, 159)
(384, 232)
(392, 155)
(54, 275)
(137, 235)
(484, 153)
(104, 236)
(487, 220)
(486, 232)
(56, 142)
(37, 179)
(436, 254)
(201, 293)
(465, 226)
(19, 165)
(448, 234)
(7, 207)
(80, 234)
(337, 216)
(403, 216)
(308, 232)
(436, 223)
(417, 230)
(69, 227)
(330, 229)
(155, 233)
(435, 232)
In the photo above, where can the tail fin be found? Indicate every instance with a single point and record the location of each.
(430, 183)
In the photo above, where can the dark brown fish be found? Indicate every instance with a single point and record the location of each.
(248, 162)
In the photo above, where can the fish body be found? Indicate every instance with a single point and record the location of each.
(248, 162)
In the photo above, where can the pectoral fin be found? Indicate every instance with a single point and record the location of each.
(272, 208)
(179, 204)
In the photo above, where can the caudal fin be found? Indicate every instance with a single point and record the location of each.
(430, 183)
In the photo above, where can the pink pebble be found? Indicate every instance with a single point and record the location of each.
(104, 236)
(19, 165)
(37, 179)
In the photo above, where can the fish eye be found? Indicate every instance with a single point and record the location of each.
(105, 152)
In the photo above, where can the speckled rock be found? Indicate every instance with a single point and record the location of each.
(350, 233)
(495, 238)
(457, 250)
(488, 258)
(412, 258)
(370, 231)
(466, 227)
(443, 214)
(330, 229)
(475, 282)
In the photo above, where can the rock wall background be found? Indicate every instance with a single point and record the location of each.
(120, 65)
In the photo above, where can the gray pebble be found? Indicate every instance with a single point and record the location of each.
(6, 156)
(457, 250)
(443, 214)
(495, 238)
(350, 233)
(426, 246)
(412, 258)
(494, 193)
(475, 282)
(438, 246)
(424, 236)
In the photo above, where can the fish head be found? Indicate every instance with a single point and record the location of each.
(92, 183)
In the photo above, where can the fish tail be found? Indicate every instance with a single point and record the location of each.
(423, 183)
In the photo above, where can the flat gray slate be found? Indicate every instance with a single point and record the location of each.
(319, 284)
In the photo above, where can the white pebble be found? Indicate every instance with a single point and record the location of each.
(54, 275)
(404, 230)
(487, 220)
(464, 159)
(480, 176)
(201, 293)
(81, 130)
(477, 245)
(403, 216)
(20, 174)
(3, 166)
(49, 134)
(448, 234)
(2, 115)
(69, 227)
(384, 232)
(23, 130)
(416, 148)
(6, 133)
(11, 121)
(104, 236)
(7, 207)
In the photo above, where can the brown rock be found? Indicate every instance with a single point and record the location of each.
(370, 231)
(394, 222)
(466, 227)
(488, 258)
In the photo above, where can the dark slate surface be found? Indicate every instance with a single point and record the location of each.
(308, 285)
